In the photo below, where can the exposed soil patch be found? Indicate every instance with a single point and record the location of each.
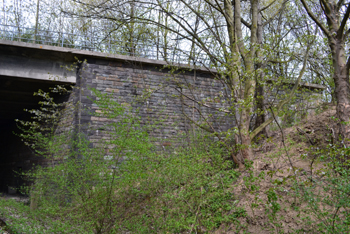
(317, 130)
(284, 165)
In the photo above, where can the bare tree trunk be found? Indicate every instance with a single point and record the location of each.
(36, 19)
(18, 18)
(260, 105)
(4, 11)
(233, 27)
(246, 150)
(132, 29)
(260, 94)
(249, 79)
(158, 36)
(342, 88)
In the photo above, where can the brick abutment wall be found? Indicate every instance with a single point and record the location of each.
(155, 92)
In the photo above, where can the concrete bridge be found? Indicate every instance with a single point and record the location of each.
(27, 67)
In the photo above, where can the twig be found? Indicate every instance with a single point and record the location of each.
(303, 132)
(335, 214)
(283, 142)
(202, 104)
(333, 136)
(196, 216)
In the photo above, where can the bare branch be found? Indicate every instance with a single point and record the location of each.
(245, 23)
(315, 19)
(264, 8)
(346, 34)
(327, 9)
(348, 64)
(339, 4)
(202, 104)
(278, 12)
(343, 23)
(280, 61)
(238, 29)
(198, 125)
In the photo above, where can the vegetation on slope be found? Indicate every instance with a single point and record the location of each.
(297, 182)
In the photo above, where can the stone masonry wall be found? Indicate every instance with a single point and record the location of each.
(131, 83)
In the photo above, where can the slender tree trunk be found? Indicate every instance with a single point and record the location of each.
(132, 29)
(250, 86)
(260, 94)
(158, 36)
(233, 61)
(260, 105)
(246, 150)
(36, 19)
(4, 11)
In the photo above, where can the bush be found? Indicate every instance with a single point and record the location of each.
(327, 192)
(124, 182)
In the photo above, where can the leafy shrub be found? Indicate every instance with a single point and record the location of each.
(327, 192)
(124, 182)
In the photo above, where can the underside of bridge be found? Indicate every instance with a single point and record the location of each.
(16, 94)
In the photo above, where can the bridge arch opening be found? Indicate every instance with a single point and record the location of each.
(16, 94)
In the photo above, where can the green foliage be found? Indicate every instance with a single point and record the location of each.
(187, 190)
(43, 133)
(327, 192)
(273, 205)
(121, 182)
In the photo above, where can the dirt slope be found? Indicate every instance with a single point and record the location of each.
(283, 165)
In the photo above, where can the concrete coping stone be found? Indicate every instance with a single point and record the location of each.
(101, 55)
